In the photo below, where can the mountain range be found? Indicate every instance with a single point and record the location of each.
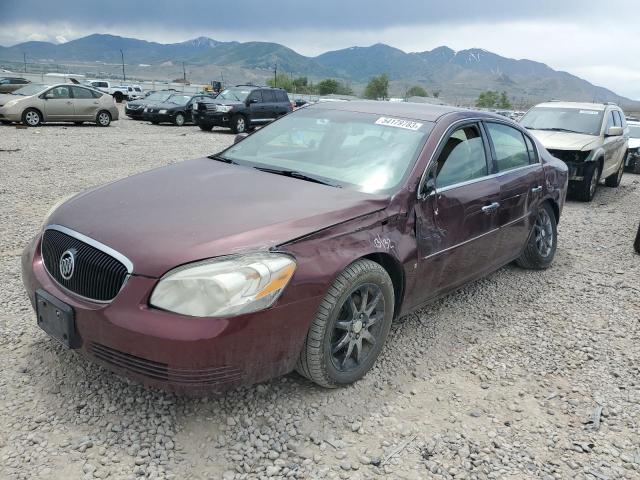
(459, 75)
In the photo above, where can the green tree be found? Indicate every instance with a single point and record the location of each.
(282, 80)
(417, 91)
(377, 88)
(487, 99)
(436, 93)
(503, 102)
(328, 86)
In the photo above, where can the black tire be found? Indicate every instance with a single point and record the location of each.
(179, 119)
(541, 246)
(118, 96)
(340, 318)
(78, 123)
(103, 118)
(586, 189)
(205, 127)
(636, 245)
(155, 123)
(32, 117)
(614, 180)
(239, 124)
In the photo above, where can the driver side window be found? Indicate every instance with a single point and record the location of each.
(255, 95)
(60, 92)
(463, 157)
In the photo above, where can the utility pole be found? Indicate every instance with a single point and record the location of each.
(124, 78)
(275, 75)
(24, 56)
(184, 74)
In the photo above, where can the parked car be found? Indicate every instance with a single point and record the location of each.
(119, 92)
(36, 103)
(242, 107)
(591, 138)
(632, 163)
(296, 246)
(176, 109)
(135, 108)
(11, 84)
(636, 244)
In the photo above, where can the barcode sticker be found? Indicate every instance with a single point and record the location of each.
(398, 123)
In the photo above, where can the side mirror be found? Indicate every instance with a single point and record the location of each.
(252, 100)
(614, 132)
(47, 95)
(239, 137)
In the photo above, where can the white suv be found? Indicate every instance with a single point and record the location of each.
(591, 138)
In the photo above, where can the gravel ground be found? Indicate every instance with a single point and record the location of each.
(520, 375)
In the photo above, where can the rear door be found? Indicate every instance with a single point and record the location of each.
(521, 179)
(58, 104)
(457, 227)
(270, 104)
(85, 105)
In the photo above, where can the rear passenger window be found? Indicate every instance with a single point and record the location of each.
(508, 143)
(96, 94)
(268, 96)
(81, 93)
(462, 158)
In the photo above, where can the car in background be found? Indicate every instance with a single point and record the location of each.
(242, 108)
(591, 138)
(176, 109)
(632, 162)
(36, 103)
(135, 108)
(10, 84)
(295, 247)
(119, 92)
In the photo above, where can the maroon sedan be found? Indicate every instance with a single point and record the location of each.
(296, 247)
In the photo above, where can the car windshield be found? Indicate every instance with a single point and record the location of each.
(179, 99)
(634, 131)
(234, 94)
(31, 89)
(366, 152)
(575, 120)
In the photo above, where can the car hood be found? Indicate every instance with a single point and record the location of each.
(6, 97)
(204, 208)
(227, 102)
(167, 106)
(565, 140)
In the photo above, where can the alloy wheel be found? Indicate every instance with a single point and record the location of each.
(179, 120)
(358, 327)
(103, 118)
(240, 126)
(594, 182)
(32, 118)
(543, 233)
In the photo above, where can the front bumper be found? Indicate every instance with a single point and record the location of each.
(217, 119)
(133, 113)
(158, 117)
(10, 115)
(176, 352)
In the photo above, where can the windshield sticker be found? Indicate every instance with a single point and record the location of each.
(396, 122)
(589, 112)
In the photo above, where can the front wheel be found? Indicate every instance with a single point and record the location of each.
(238, 124)
(350, 327)
(586, 189)
(541, 247)
(103, 119)
(615, 179)
(31, 117)
(179, 120)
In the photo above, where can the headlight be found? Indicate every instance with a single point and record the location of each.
(162, 112)
(223, 108)
(145, 109)
(224, 286)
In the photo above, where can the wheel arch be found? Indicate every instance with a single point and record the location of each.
(396, 273)
(555, 207)
(42, 117)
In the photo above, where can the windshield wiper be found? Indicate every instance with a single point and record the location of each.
(298, 175)
(220, 158)
(556, 129)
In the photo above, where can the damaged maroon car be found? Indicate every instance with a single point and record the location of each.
(296, 247)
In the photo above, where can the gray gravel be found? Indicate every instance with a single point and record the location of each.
(520, 375)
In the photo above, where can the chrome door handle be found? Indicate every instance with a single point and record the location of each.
(537, 189)
(488, 209)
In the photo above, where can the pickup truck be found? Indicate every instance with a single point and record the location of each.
(119, 92)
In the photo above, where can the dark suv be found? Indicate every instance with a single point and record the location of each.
(241, 108)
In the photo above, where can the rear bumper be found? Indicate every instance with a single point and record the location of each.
(176, 352)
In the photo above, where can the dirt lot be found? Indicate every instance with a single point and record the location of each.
(520, 375)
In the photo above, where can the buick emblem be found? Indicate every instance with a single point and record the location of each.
(67, 263)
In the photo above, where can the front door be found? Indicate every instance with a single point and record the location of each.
(456, 225)
(521, 187)
(256, 107)
(58, 104)
(613, 145)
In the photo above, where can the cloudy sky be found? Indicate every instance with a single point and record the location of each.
(595, 39)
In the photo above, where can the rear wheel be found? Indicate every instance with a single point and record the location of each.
(541, 246)
(205, 126)
(350, 327)
(238, 124)
(586, 189)
(179, 120)
(31, 117)
(615, 179)
(103, 119)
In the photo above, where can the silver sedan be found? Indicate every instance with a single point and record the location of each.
(36, 103)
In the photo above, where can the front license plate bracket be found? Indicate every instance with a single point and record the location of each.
(57, 319)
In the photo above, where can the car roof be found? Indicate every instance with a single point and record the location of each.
(577, 105)
(415, 111)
